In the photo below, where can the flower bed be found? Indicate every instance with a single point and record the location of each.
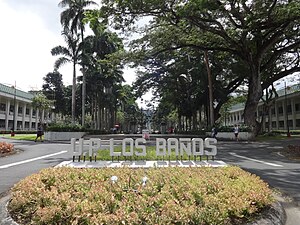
(6, 148)
(126, 196)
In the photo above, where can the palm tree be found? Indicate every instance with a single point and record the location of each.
(72, 18)
(71, 53)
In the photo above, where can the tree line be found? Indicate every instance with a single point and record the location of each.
(181, 47)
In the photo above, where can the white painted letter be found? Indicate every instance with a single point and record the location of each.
(200, 146)
(173, 144)
(111, 148)
(212, 147)
(185, 146)
(143, 147)
(163, 146)
(130, 153)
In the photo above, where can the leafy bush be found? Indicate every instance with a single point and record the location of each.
(59, 127)
(230, 129)
(169, 196)
(6, 148)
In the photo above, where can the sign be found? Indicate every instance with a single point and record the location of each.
(164, 147)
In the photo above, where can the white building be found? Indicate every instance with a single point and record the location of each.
(25, 116)
(285, 113)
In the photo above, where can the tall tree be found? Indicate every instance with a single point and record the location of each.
(72, 18)
(69, 54)
(41, 103)
(53, 89)
(257, 32)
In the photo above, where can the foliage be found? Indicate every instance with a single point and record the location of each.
(169, 196)
(53, 89)
(230, 129)
(262, 35)
(60, 127)
(6, 147)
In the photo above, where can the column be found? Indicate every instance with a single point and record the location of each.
(276, 115)
(293, 113)
(7, 114)
(37, 118)
(30, 117)
(23, 116)
(16, 115)
(285, 115)
(43, 116)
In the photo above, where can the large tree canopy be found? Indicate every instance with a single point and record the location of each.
(263, 34)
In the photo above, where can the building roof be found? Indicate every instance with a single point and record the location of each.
(11, 90)
(281, 92)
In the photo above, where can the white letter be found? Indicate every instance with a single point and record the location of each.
(163, 146)
(173, 146)
(200, 144)
(185, 148)
(92, 147)
(143, 147)
(111, 148)
(212, 147)
(130, 153)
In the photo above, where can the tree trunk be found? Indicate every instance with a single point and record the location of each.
(73, 93)
(254, 95)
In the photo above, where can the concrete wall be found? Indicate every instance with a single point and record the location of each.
(243, 136)
(62, 136)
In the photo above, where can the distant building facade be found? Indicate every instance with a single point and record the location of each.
(285, 112)
(16, 110)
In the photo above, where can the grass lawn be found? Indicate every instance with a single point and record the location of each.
(26, 137)
(150, 155)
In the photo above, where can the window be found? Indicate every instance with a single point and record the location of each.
(297, 107)
(2, 107)
(290, 123)
(273, 111)
(289, 109)
(297, 122)
(20, 109)
(280, 110)
(27, 111)
(274, 124)
(281, 124)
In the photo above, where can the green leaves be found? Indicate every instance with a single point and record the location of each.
(170, 196)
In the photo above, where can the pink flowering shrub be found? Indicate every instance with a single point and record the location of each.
(168, 196)
(6, 147)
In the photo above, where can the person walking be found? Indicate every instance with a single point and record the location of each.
(39, 133)
(236, 132)
(214, 132)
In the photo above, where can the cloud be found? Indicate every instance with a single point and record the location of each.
(25, 48)
(30, 29)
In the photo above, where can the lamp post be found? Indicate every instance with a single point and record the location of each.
(14, 115)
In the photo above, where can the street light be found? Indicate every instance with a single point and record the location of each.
(286, 112)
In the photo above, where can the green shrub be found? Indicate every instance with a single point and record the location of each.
(170, 196)
(6, 148)
(59, 127)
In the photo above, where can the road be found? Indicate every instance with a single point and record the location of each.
(260, 158)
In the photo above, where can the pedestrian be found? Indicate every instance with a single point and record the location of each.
(214, 132)
(39, 133)
(236, 132)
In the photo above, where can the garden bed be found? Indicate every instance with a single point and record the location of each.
(125, 196)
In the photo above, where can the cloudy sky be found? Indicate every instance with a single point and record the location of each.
(29, 30)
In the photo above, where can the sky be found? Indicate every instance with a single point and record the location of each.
(29, 30)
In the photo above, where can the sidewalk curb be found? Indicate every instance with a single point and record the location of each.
(273, 215)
